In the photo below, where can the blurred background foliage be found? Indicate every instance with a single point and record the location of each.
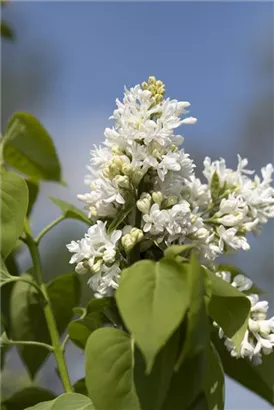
(66, 62)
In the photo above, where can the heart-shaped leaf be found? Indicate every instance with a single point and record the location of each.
(27, 397)
(28, 320)
(67, 401)
(229, 308)
(152, 299)
(14, 205)
(197, 326)
(71, 211)
(109, 370)
(30, 149)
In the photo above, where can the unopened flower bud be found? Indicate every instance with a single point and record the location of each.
(127, 242)
(152, 89)
(264, 328)
(157, 197)
(151, 79)
(109, 255)
(136, 177)
(114, 170)
(253, 325)
(95, 267)
(123, 181)
(127, 169)
(144, 85)
(118, 161)
(202, 233)
(116, 151)
(92, 211)
(81, 268)
(136, 234)
(158, 98)
(144, 203)
(170, 201)
(106, 172)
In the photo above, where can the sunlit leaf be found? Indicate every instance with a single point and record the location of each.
(153, 312)
(14, 204)
(109, 370)
(27, 397)
(229, 308)
(71, 211)
(30, 149)
(28, 320)
(67, 401)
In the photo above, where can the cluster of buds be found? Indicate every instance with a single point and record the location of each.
(130, 239)
(156, 87)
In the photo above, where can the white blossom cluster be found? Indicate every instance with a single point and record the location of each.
(259, 337)
(143, 190)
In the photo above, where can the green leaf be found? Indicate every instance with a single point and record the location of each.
(79, 330)
(14, 204)
(109, 370)
(259, 379)
(123, 213)
(71, 211)
(80, 387)
(197, 328)
(27, 397)
(176, 250)
(152, 299)
(28, 320)
(6, 31)
(4, 340)
(186, 384)
(229, 308)
(64, 292)
(99, 312)
(200, 403)
(33, 187)
(215, 187)
(30, 149)
(28, 323)
(67, 401)
(214, 381)
(5, 277)
(152, 389)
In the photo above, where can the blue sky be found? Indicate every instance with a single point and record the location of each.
(85, 52)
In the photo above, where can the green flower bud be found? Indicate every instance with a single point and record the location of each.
(127, 169)
(136, 177)
(97, 266)
(127, 242)
(151, 79)
(136, 235)
(144, 203)
(123, 181)
(93, 211)
(157, 197)
(170, 201)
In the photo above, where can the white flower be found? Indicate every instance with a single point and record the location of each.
(95, 246)
(104, 196)
(259, 337)
(175, 161)
(155, 220)
(104, 283)
(230, 238)
(242, 283)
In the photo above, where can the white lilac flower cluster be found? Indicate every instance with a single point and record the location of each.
(259, 337)
(143, 190)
